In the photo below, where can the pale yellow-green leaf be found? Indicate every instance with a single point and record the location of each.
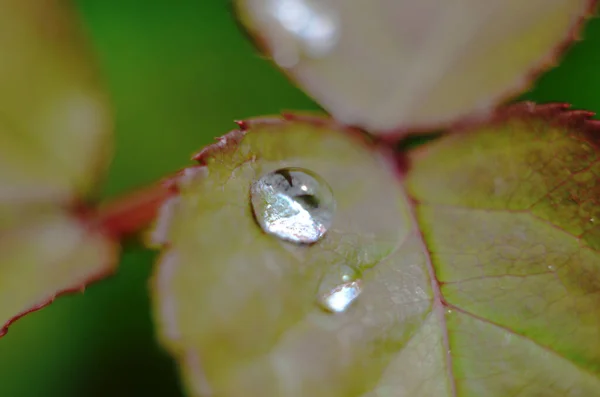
(406, 64)
(55, 131)
(48, 253)
(54, 119)
(246, 302)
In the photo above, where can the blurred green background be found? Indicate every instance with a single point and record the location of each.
(179, 72)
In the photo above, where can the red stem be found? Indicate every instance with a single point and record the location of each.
(126, 215)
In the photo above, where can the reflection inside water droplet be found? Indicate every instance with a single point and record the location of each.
(293, 204)
(341, 297)
(346, 277)
(335, 275)
(311, 24)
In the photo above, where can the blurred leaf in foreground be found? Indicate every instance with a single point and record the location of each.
(54, 143)
(387, 65)
(480, 275)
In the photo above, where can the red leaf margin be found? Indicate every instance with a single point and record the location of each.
(557, 114)
(108, 271)
(230, 140)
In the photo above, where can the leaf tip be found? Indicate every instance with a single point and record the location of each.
(241, 124)
(224, 143)
(111, 265)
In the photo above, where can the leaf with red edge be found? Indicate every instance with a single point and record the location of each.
(46, 255)
(480, 267)
(221, 271)
(395, 65)
(55, 131)
(508, 210)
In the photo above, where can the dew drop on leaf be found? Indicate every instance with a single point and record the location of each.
(348, 274)
(341, 297)
(336, 275)
(293, 204)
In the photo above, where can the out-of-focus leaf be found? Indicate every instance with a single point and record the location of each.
(390, 65)
(480, 274)
(54, 142)
(54, 120)
(46, 255)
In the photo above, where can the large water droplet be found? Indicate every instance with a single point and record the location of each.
(293, 204)
(305, 26)
(341, 297)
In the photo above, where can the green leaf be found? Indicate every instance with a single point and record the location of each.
(55, 130)
(509, 212)
(480, 276)
(392, 66)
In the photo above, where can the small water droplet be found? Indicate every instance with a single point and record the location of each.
(311, 26)
(341, 297)
(551, 268)
(347, 277)
(592, 220)
(293, 204)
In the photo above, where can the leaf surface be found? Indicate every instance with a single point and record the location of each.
(54, 119)
(480, 273)
(509, 213)
(55, 131)
(48, 254)
(391, 66)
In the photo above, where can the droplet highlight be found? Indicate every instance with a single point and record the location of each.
(306, 27)
(293, 204)
(339, 299)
